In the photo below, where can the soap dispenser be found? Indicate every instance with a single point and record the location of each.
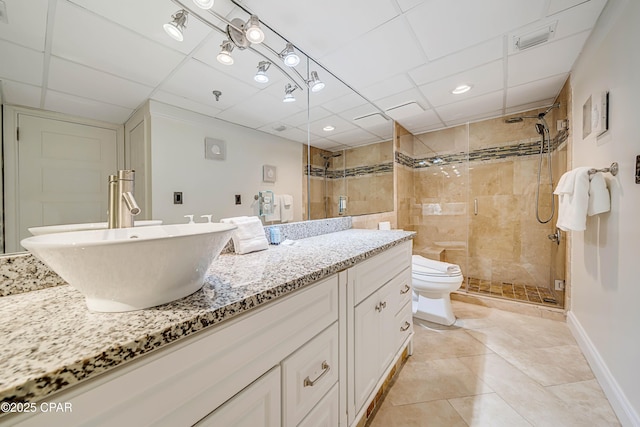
(190, 219)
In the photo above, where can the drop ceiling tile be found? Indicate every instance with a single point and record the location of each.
(401, 98)
(354, 138)
(466, 59)
(475, 118)
(393, 39)
(530, 106)
(147, 17)
(484, 79)
(444, 27)
(290, 133)
(530, 65)
(300, 119)
(406, 5)
(186, 103)
(257, 111)
(20, 64)
(346, 102)
(16, 93)
(196, 81)
(561, 5)
(579, 18)
(75, 79)
(123, 52)
(27, 23)
(387, 87)
(83, 107)
(341, 125)
(421, 120)
(319, 28)
(325, 144)
(540, 89)
(471, 107)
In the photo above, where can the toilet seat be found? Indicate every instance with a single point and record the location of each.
(433, 281)
(419, 270)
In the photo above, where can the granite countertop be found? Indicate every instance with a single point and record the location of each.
(50, 341)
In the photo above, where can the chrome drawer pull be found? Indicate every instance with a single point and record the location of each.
(406, 326)
(325, 368)
(405, 289)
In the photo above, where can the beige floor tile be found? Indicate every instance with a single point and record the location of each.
(438, 413)
(551, 365)
(532, 401)
(423, 381)
(430, 344)
(487, 410)
(587, 397)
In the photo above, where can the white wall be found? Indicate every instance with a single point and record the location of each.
(605, 259)
(209, 186)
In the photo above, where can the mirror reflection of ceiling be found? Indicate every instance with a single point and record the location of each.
(103, 59)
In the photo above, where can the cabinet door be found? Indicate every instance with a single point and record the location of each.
(258, 405)
(387, 334)
(366, 351)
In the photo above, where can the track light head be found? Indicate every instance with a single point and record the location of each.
(315, 83)
(177, 25)
(289, 56)
(224, 57)
(288, 93)
(261, 74)
(252, 30)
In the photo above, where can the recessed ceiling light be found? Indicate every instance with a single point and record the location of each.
(328, 128)
(461, 89)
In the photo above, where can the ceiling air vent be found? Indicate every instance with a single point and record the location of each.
(535, 37)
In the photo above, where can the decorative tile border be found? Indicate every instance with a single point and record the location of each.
(529, 147)
(351, 172)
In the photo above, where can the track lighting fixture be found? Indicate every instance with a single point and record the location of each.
(289, 57)
(315, 83)
(261, 75)
(177, 25)
(204, 4)
(224, 57)
(288, 93)
(252, 30)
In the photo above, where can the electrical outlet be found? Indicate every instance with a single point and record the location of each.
(238, 199)
(559, 285)
(177, 197)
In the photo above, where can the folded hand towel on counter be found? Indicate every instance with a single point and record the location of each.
(249, 236)
(286, 208)
(574, 201)
(599, 199)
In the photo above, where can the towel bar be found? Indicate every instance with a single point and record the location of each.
(613, 169)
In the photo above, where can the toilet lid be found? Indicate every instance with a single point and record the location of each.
(420, 270)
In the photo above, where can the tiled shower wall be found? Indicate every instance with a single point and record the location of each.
(495, 165)
(363, 174)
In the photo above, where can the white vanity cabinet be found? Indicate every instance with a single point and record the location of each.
(380, 318)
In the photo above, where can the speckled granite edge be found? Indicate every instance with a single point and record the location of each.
(42, 384)
(25, 273)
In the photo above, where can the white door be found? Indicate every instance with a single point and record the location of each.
(63, 169)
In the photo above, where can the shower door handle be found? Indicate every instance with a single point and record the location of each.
(475, 206)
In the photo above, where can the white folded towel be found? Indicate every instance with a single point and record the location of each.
(443, 267)
(574, 202)
(286, 208)
(277, 208)
(599, 199)
(249, 235)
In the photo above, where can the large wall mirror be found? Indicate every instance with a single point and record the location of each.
(98, 64)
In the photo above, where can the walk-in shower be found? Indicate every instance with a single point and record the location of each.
(327, 163)
(542, 128)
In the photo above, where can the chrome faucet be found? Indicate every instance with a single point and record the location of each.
(122, 204)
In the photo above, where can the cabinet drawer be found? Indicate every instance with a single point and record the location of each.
(325, 414)
(402, 290)
(404, 324)
(308, 374)
(258, 405)
(375, 272)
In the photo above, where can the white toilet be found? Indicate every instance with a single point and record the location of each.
(433, 281)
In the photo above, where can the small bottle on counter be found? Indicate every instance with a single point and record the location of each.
(274, 236)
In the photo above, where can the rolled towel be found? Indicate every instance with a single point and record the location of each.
(249, 236)
(443, 267)
(599, 199)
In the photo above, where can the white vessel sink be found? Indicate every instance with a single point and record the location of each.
(133, 268)
(64, 228)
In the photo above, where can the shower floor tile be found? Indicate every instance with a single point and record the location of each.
(513, 291)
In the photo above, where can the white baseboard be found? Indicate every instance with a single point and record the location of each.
(619, 402)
